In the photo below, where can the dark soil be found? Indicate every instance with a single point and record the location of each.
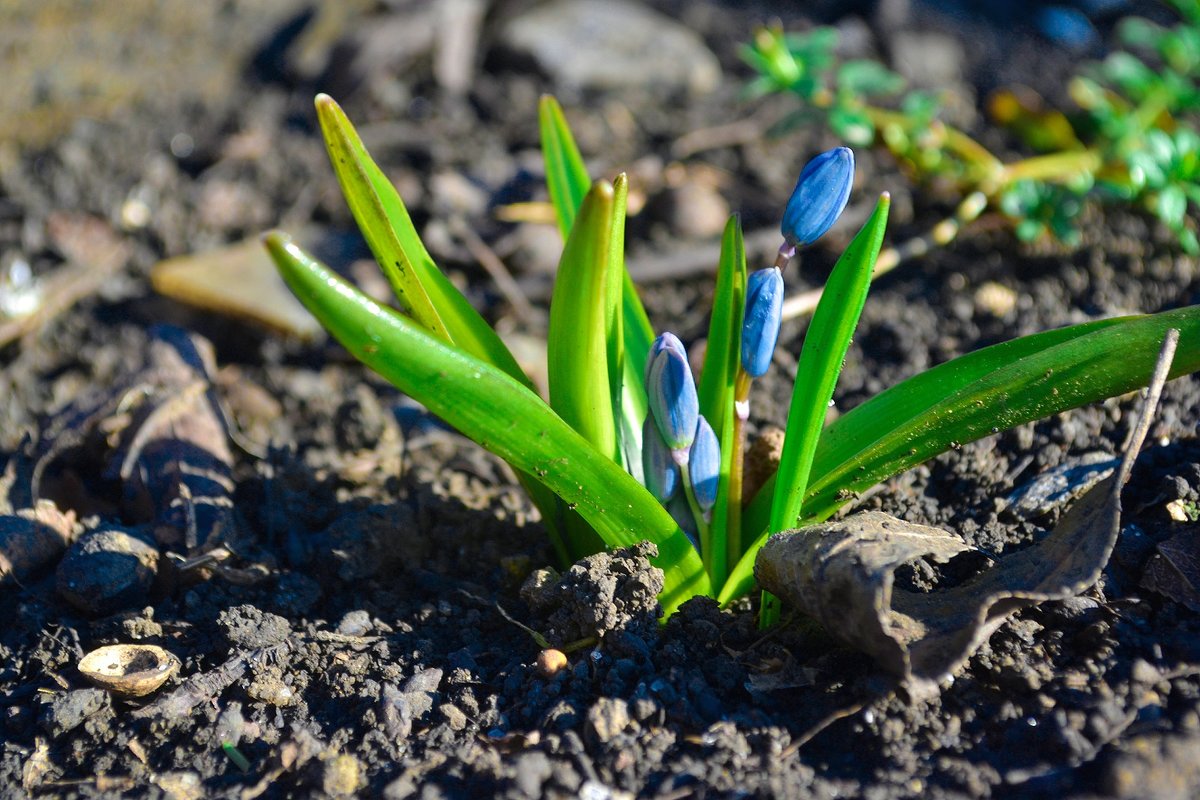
(366, 632)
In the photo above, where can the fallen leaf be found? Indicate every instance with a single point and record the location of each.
(161, 433)
(1174, 569)
(240, 281)
(843, 573)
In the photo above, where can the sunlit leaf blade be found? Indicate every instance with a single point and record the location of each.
(821, 358)
(577, 350)
(717, 377)
(395, 243)
(422, 289)
(639, 334)
(723, 351)
(1110, 360)
(886, 410)
(496, 411)
(567, 181)
(628, 431)
(567, 178)
(975, 395)
(718, 559)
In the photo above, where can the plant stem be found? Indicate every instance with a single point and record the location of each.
(1051, 167)
(768, 611)
(703, 529)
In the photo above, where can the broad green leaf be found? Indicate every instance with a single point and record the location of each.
(821, 359)
(420, 286)
(1107, 358)
(501, 414)
(577, 351)
(973, 396)
(567, 181)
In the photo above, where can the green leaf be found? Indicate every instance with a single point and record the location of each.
(567, 182)
(1171, 206)
(566, 175)
(580, 314)
(852, 124)
(864, 76)
(498, 412)
(973, 396)
(723, 353)
(722, 357)
(638, 335)
(821, 360)
(420, 286)
(1001, 387)
(614, 339)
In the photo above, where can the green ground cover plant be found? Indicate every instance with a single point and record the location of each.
(1133, 137)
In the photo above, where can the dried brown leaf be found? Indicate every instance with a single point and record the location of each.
(1174, 570)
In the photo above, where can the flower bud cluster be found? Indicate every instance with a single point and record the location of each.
(675, 434)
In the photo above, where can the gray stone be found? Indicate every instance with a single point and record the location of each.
(533, 770)
(608, 718)
(400, 706)
(929, 59)
(249, 627)
(107, 570)
(611, 44)
(69, 710)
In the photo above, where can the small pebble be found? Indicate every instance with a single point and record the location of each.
(996, 299)
(608, 718)
(550, 662)
(342, 776)
(455, 718)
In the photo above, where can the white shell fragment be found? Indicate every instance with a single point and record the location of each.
(131, 670)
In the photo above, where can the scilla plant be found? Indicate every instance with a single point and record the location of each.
(628, 446)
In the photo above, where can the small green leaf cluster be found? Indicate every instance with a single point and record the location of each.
(579, 452)
(1133, 138)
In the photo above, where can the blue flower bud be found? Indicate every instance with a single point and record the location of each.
(764, 313)
(704, 465)
(671, 390)
(659, 471)
(668, 341)
(819, 197)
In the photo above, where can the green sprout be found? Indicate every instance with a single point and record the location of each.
(587, 454)
(1133, 138)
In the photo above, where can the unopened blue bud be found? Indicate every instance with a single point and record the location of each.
(704, 465)
(668, 341)
(819, 197)
(671, 390)
(659, 470)
(764, 313)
